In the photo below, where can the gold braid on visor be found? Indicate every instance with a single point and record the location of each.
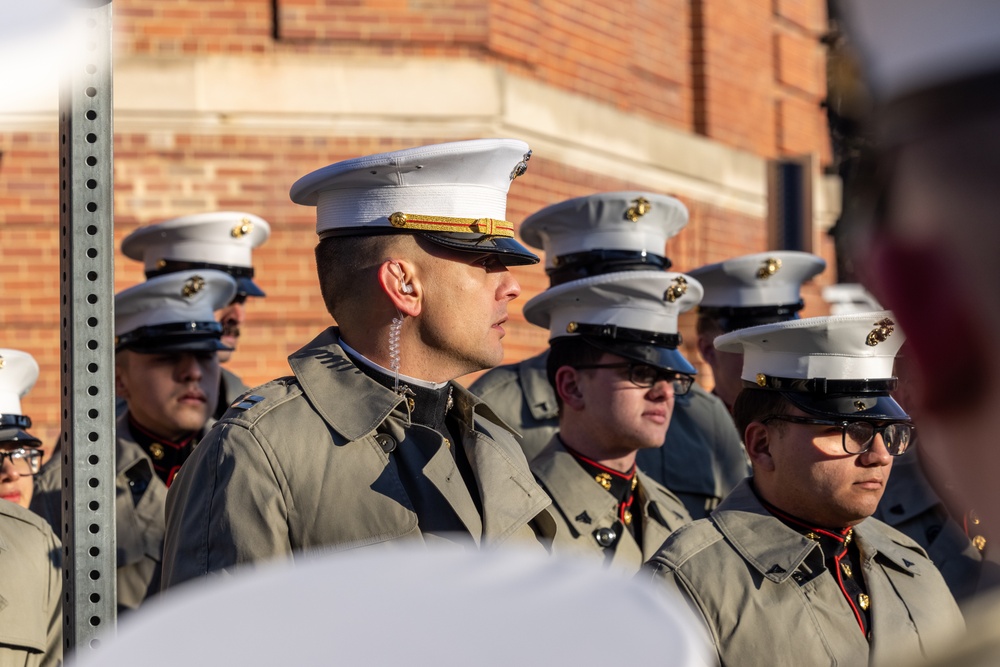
(434, 223)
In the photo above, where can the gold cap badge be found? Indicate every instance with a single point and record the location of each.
(771, 266)
(242, 229)
(883, 329)
(678, 288)
(572, 327)
(192, 286)
(761, 380)
(639, 208)
(520, 167)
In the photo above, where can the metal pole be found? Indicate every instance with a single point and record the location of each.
(86, 242)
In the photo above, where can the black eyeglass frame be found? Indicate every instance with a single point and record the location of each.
(673, 377)
(33, 457)
(877, 429)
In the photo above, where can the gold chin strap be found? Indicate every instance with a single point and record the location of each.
(434, 223)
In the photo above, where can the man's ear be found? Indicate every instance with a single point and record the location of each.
(398, 281)
(121, 386)
(756, 439)
(706, 348)
(568, 387)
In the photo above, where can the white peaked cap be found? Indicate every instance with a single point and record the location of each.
(832, 366)
(485, 606)
(635, 221)
(225, 238)
(454, 193)
(188, 298)
(861, 346)
(631, 299)
(915, 45)
(629, 313)
(18, 374)
(763, 279)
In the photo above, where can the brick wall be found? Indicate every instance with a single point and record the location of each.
(745, 73)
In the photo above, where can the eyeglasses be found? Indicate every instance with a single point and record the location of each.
(645, 376)
(857, 437)
(24, 461)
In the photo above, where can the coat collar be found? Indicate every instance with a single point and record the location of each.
(539, 395)
(776, 550)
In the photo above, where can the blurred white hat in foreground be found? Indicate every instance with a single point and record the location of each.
(445, 607)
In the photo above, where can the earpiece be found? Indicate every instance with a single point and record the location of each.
(406, 287)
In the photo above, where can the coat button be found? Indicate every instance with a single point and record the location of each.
(386, 442)
(605, 536)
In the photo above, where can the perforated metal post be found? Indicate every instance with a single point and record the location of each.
(86, 244)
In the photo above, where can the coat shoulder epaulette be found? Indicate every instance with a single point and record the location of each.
(894, 544)
(494, 380)
(257, 402)
(15, 512)
(685, 543)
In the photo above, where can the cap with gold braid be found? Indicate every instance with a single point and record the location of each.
(453, 194)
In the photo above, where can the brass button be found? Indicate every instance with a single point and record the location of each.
(627, 517)
(156, 449)
(864, 601)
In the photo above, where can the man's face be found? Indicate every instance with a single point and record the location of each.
(231, 318)
(813, 478)
(171, 394)
(14, 487)
(464, 308)
(619, 416)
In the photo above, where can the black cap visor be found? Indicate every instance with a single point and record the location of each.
(665, 358)
(21, 437)
(510, 251)
(599, 262)
(176, 337)
(848, 406)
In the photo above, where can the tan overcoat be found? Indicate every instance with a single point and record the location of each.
(30, 589)
(140, 498)
(306, 462)
(582, 508)
(701, 460)
(766, 598)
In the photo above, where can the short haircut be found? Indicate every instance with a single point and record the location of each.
(341, 265)
(753, 404)
(571, 352)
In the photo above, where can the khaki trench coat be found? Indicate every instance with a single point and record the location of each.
(701, 460)
(30, 589)
(766, 598)
(140, 498)
(581, 507)
(306, 462)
